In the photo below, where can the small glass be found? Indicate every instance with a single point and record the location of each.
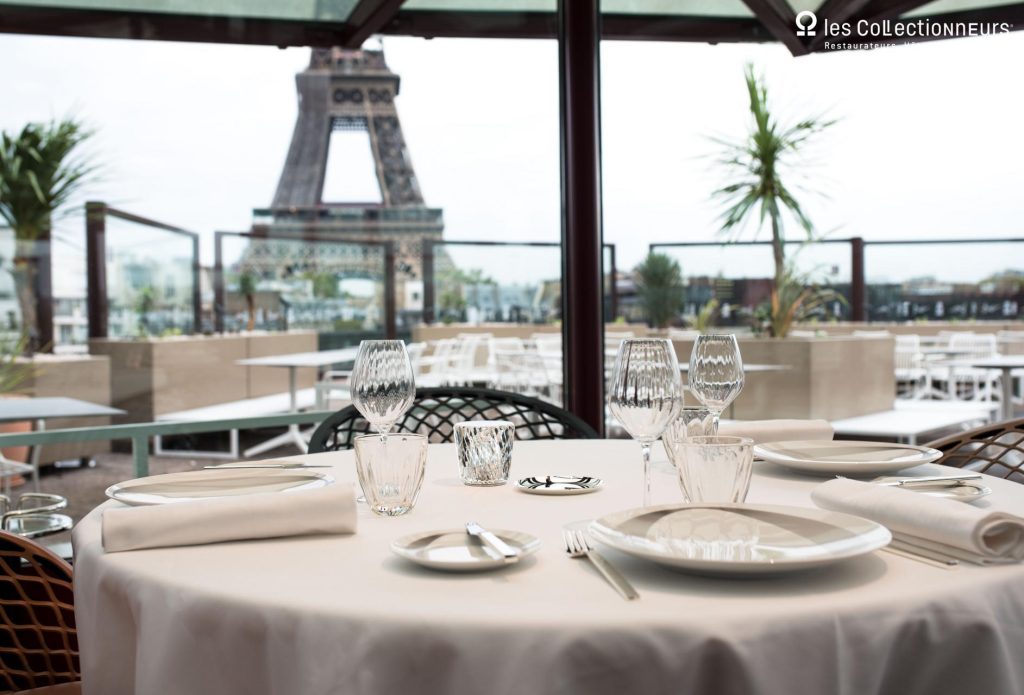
(391, 471)
(715, 469)
(485, 451)
(692, 421)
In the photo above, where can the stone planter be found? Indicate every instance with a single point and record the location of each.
(828, 378)
(86, 377)
(164, 375)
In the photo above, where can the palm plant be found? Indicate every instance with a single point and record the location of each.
(659, 282)
(40, 171)
(797, 300)
(758, 164)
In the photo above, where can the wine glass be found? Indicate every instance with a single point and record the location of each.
(716, 372)
(382, 383)
(646, 394)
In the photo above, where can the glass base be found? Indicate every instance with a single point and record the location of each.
(390, 511)
(485, 483)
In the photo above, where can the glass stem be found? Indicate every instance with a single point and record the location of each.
(715, 415)
(645, 450)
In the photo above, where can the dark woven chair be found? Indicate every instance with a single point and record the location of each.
(38, 641)
(435, 412)
(993, 449)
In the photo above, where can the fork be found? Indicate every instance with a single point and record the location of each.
(576, 545)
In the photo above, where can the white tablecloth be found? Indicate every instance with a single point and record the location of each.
(343, 615)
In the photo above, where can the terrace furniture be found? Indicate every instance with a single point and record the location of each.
(38, 638)
(293, 362)
(273, 404)
(909, 421)
(992, 449)
(435, 412)
(910, 370)
(338, 614)
(34, 515)
(39, 410)
(1006, 365)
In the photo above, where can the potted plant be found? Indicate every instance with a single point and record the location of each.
(247, 288)
(659, 283)
(759, 165)
(40, 171)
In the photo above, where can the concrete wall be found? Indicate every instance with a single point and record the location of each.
(157, 376)
(829, 378)
(424, 333)
(921, 328)
(85, 377)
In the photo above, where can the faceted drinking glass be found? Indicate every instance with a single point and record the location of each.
(715, 469)
(382, 383)
(692, 421)
(716, 372)
(390, 471)
(645, 394)
(485, 451)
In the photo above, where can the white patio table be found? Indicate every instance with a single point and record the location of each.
(342, 614)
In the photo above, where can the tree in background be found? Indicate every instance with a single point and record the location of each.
(659, 282)
(247, 288)
(40, 171)
(761, 166)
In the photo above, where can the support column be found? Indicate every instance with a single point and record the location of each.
(858, 287)
(579, 36)
(96, 268)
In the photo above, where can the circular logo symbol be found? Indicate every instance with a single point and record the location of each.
(805, 23)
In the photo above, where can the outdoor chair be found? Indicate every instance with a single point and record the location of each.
(911, 375)
(38, 640)
(996, 449)
(435, 411)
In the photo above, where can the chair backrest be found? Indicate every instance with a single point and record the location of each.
(993, 449)
(974, 344)
(435, 411)
(415, 351)
(38, 641)
(908, 352)
(504, 346)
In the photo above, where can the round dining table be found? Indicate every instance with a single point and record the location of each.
(343, 614)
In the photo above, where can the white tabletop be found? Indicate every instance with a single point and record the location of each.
(15, 409)
(342, 614)
(324, 358)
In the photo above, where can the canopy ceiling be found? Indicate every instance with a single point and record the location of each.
(350, 22)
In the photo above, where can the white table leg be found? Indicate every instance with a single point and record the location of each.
(294, 434)
(1007, 383)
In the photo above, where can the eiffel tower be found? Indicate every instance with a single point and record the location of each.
(350, 90)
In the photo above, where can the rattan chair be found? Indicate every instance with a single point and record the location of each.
(993, 449)
(436, 411)
(38, 641)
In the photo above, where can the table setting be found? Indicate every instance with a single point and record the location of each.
(725, 557)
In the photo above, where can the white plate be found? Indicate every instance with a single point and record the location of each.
(967, 491)
(455, 550)
(559, 485)
(207, 484)
(826, 457)
(739, 539)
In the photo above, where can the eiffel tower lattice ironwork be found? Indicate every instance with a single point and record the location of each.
(352, 90)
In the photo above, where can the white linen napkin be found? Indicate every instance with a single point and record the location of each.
(764, 431)
(929, 522)
(331, 509)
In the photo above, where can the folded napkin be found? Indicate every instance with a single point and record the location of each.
(331, 509)
(764, 431)
(939, 524)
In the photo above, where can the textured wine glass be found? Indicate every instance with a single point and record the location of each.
(382, 383)
(645, 394)
(716, 372)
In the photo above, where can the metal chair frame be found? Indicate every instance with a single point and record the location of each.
(436, 410)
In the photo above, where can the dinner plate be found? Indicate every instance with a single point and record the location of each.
(559, 485)
(454, 550)
(207, 484)
(739, 539)
(966, 491)
(827, 457)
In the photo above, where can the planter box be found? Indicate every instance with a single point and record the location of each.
(153, 377)
(828, 378)
(424, 333)
(86, 377)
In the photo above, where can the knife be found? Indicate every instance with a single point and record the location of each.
(932, 481)
(490, 540)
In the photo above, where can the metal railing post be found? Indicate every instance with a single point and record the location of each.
(858, 287)
(96, 268)
(140, 455)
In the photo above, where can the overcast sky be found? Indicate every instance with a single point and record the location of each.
(929, 143)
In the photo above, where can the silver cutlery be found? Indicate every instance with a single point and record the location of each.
(931, 481)
(272, 466)
(576, 545)
(493, 542)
